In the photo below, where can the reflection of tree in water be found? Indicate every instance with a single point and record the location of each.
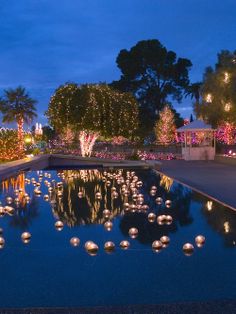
(24, 212)
(180, 209)
(220, 218)
(73, 210)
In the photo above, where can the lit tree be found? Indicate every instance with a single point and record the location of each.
(93, 110)
(218, 96)
(165, 127)
(226, 133)
(16, 105)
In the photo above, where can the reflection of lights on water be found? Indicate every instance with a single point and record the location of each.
(209, 205)
(226, 227)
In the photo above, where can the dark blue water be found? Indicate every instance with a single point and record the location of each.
(48, 271)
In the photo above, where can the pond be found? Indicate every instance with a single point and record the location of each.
(59, 211)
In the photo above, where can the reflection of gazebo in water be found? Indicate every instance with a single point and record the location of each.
(199, 141)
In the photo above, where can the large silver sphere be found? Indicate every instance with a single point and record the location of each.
(80, 194)
(156, 245)
(169, 219)
(109, 246)
(59, 225)
(159, 200)
(25, 237)
(124, 244)
(151, 217)
(75, 241)
(9, 200)
(188, 249)
(91, 247)
(133, 233)
(200, 240)
(108, 225)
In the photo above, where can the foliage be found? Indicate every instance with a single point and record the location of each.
(9, 144)
(152, 74)
(218, 96)
(16, 105)
(94, 108)
(165, 127)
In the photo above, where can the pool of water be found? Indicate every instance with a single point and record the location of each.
(48, 271)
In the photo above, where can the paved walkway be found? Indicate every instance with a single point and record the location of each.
(215, 179)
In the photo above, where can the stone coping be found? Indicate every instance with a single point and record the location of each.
(205, 307)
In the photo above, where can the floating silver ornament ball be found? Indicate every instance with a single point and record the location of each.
(153, 192)
(37, 192)
(154, 188)
(106, 213)
(124, 244)
(46, 197)
(151, 217)
(188, 249)
(9, 210)
(156, 245)
(2, 211)
(75, 241)
(27, 198)
(25, 237)
(108, 225)
(169, 219)
(165, 240)
(59, 225)
(159, 200)
(114, 194)
(139, 184)
(17, 200)
(168, 203)
(1, 231)
(133, 232)
(161, 220)
(108, 183)
(144, 208)
(113, 189)
(200, 240)
(91, 248)
(80, 194)
(109, 246)
(98, 196)
(133, 208)
(9, 200)
(2, 242)
(50, 189)
(16, 192)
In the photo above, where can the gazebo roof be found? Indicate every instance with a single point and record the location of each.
(196, 125)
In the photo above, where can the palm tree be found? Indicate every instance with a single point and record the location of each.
(16, 105)
(193, 91)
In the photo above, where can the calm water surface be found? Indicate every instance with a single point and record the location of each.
(48, 271)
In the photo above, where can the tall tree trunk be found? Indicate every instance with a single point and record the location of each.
(20, 133)
(87, 140)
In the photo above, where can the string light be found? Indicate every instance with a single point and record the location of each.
(208, 98)
(227, 106)
(226, 77)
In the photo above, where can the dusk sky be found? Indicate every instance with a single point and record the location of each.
(45, 43)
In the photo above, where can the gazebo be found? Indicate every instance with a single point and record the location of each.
(198, 140)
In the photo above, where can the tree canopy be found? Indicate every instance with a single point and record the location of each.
(218, 96)
(93, 107)
(153, 74)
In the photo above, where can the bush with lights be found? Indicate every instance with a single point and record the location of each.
(9, 145)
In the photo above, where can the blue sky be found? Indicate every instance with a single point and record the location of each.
(44, 43)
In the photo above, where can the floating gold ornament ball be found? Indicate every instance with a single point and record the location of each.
(75, 241)
(200, 240)
(108, 225)
(59, 225)
(9, 210)
(106, 213)
(133, 208)
(161, 219)
(165, 240)
(27, 199)
(169, 219)
(153, 192)
(109, 246)
(25, 237)
(17, 200)
(168, 203)
(124, 244)
(91, 248)
(50, 189)
(114, 194)
(16, 192)
(37, 192)
(2, 242)
(156, 245)
(80, 194)
(133, 233)
(2, 211)
(59, 194)
(145, 208)
(9, 200)
(188, 249)
(151, 217)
